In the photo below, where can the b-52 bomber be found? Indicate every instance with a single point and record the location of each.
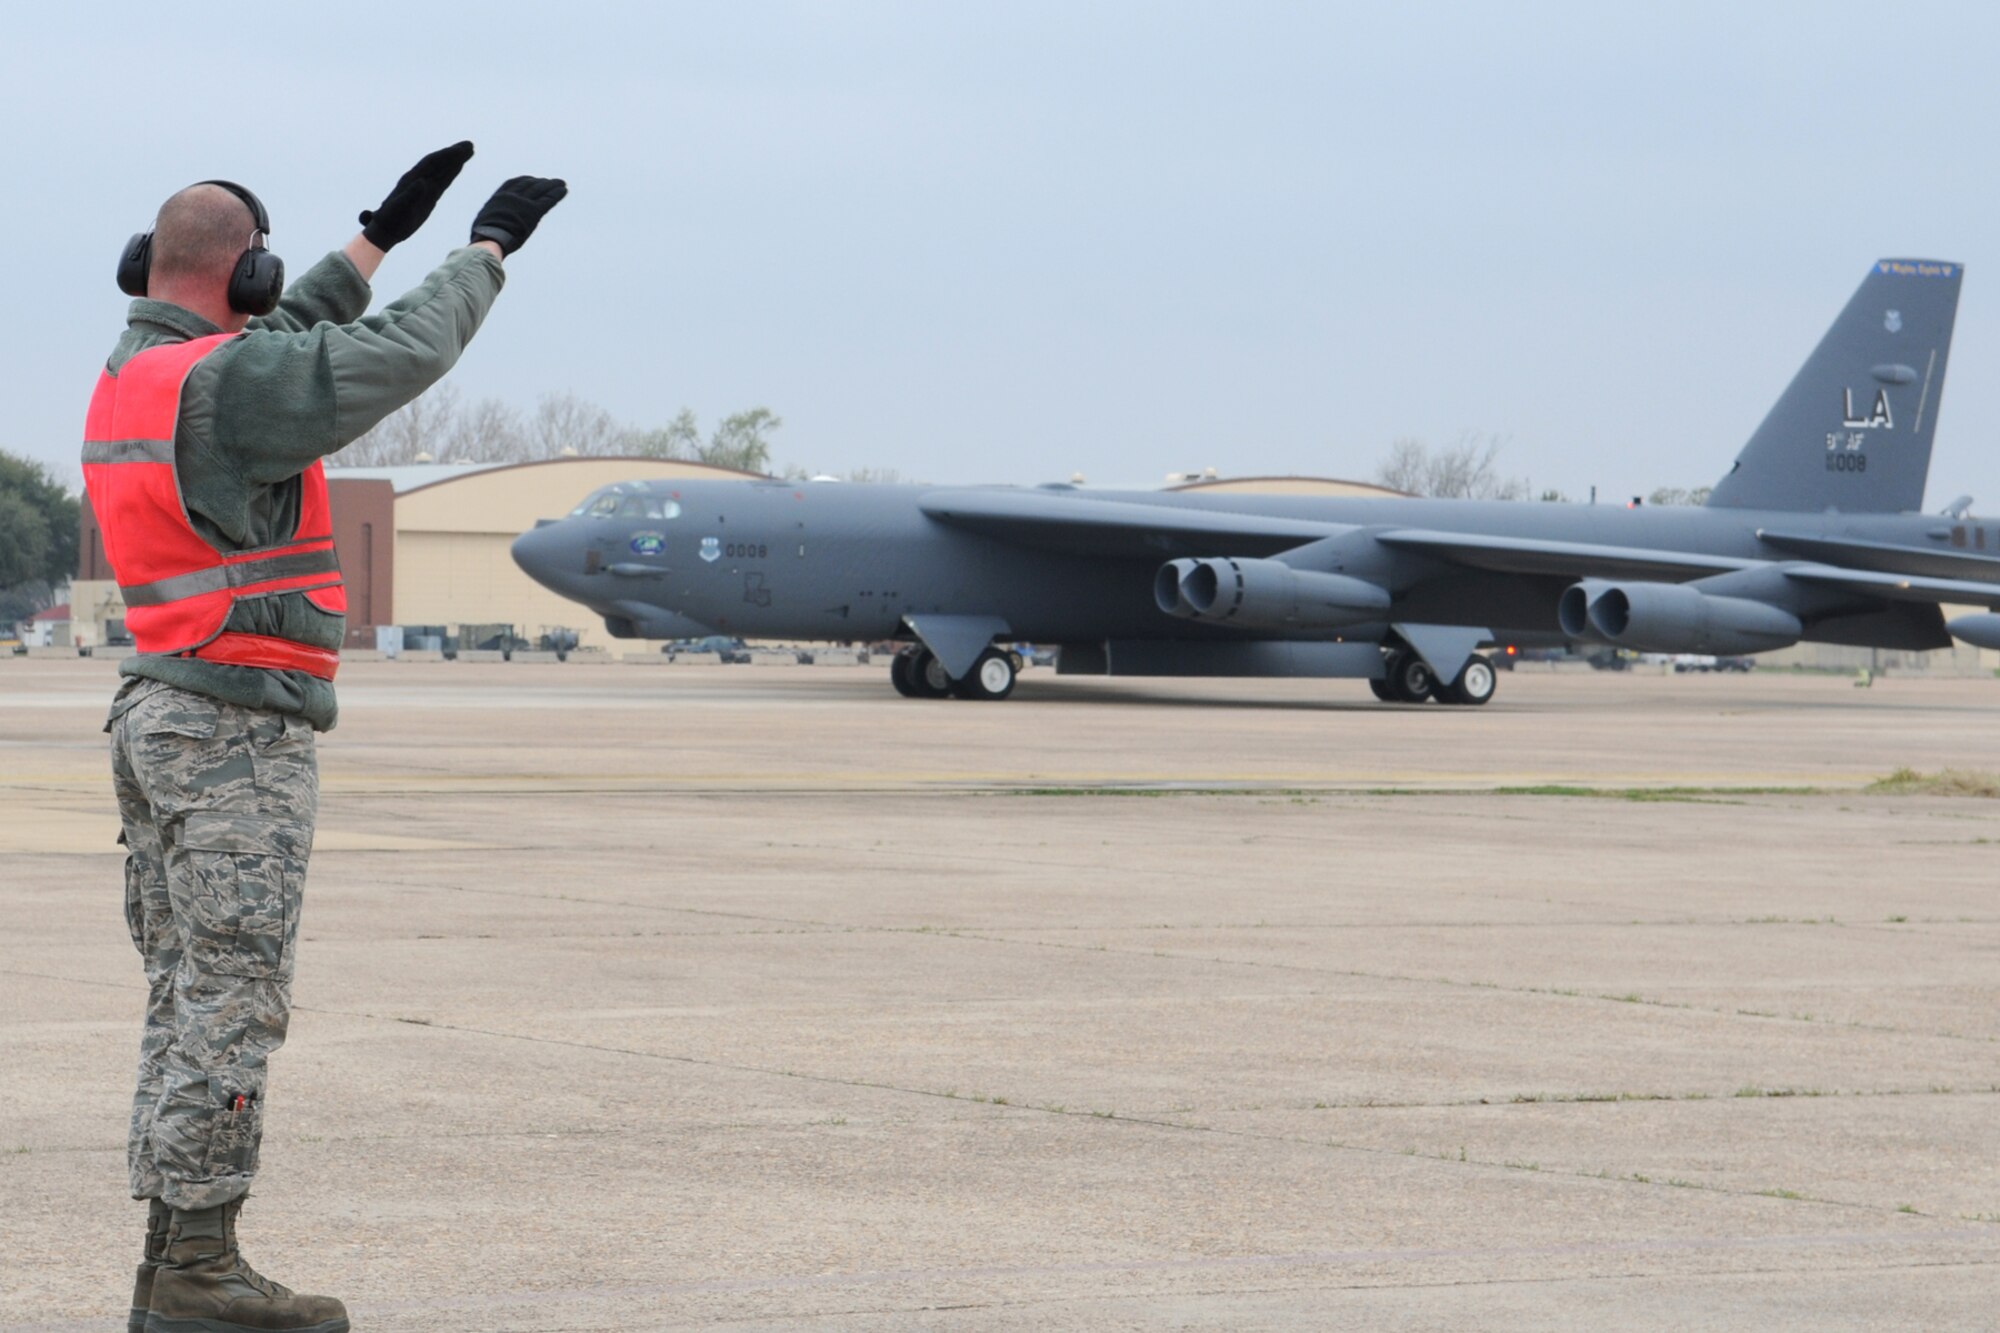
(1814, 534)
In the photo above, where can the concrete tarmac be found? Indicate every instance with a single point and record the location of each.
(639, 998)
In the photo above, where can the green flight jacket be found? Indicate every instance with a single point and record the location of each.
(309, 379)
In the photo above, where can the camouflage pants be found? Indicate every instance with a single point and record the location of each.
(218, 803)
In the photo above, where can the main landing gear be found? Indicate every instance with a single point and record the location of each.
(917, 674)
(1410, 680)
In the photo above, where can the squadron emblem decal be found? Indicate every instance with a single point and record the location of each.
(648, 543)
(1893, 321)
(711, 549)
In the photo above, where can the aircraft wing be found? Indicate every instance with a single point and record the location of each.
(1066, 521)
(1060, 520)
(1525, 555)
(1898, 587)
(1853, 553)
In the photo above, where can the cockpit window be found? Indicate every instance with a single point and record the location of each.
(623, 502)
(648, 506)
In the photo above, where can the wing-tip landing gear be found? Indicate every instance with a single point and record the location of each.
(1409, 679)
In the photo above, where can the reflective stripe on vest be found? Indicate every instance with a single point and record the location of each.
(179, 588)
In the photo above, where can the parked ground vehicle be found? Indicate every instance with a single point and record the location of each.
(728, 648)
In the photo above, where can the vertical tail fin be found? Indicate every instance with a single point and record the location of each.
(1853, 431)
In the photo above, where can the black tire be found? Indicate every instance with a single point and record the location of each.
(1382, 690)
(991, 678)
(928, 676)
(1411, 678)
(1475, 684)
(901, 674)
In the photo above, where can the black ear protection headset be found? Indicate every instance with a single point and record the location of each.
(254, 285)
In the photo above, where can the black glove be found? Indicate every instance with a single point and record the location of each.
(510, 216)
(415, 195)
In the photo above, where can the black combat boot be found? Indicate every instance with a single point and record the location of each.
(206, 1287)
(157, 1216)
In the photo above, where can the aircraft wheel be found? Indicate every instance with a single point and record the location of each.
(1410, 678)
(991, 677)
(1475, 685)
(928, 677)
(1382, 690)
(902, 672)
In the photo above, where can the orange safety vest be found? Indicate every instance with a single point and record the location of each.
(178, 587)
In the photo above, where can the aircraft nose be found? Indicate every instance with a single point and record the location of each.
(540, 551)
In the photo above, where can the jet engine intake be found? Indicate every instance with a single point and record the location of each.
(1167, 588)
(1674, 618)
(1265, 594)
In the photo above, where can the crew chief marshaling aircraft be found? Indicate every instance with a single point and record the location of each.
(1814, 534)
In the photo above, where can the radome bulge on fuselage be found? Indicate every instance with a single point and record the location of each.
(1812, 535)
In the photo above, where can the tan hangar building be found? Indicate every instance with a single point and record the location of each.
(429, 544)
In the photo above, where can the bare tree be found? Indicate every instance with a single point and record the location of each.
(414, 432)
(1467, 470)
(564, 423)
(488, 432)
(438, 427)
(1405, 467)
(1675, 495)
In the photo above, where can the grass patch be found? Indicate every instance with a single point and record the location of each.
(1311, 795)
(1297, 795)
(1944, 782)
(1689, 795)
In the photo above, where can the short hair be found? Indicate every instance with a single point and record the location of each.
(200, 233)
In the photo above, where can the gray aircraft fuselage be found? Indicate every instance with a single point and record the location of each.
(1811, 535)
(849, 562)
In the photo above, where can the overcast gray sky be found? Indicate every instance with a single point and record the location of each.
(1012, 242)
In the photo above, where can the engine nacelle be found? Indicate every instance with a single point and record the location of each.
(1674, 618)
(1981, 631)
(1265, 594)
(1167, 588)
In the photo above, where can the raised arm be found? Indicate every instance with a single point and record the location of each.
(407, 207)
(273, 402)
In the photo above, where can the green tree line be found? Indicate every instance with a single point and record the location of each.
(38, 534)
